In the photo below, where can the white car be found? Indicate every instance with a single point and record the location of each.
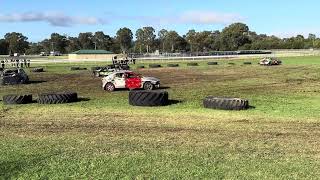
(129, 80)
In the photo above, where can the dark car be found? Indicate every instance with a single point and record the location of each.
(13, 76)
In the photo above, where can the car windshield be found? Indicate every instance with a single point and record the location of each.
(132, 75)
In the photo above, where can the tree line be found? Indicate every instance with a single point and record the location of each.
(236, 36)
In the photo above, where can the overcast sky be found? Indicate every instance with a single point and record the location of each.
(37, 19)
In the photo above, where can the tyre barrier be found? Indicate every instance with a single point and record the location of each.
(192, 64)
(225, 103)
(95, 68)
(77, 69)
(172, 65)
(247, 63)
(148, 98)
(17, 99)
(212, 63)
(155, 66)
(37, 70)
(57, 98)
(140, 67)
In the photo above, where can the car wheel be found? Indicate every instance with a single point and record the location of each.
(109, 87)
(148, 86)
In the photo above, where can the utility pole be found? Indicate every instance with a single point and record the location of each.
(52, 46)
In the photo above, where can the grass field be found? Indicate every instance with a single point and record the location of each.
(102, 137)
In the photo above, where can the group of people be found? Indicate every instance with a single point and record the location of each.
(17, 63)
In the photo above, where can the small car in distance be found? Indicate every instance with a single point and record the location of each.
(129, 80)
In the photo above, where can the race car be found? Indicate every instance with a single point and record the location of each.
(270, 62)
(129, 80)
(106, 71)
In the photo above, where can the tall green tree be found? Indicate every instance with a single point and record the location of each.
(124, 38)
(73, 44)
(86, 40)
(173, 41)
(235, 36)
(18, 43)
(146, 37)
(191, 38)
(4, 47)
(162, 39)
(34, 49)
(102, 41)
(139, 43)
(58, 42)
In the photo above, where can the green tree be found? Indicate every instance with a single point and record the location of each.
(140, 40)
(235, 36)
(191, 38)
(17, 42)
(162, 36)
(102, 41)
(34, 49)
(4, 47)
(59, 42)
(124, 38)
(145, 37)
(86, 40)
(172, 40)
(73, 44)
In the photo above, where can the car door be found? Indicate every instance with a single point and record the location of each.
(133, 81)
(119, 80)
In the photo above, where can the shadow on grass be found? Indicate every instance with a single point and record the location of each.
(10, 169)
(36, 82)
(164, 87)
(83, 99)
(252, 107)
(173, 102)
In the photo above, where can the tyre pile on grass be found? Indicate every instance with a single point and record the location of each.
(212, 63)
(77, 69)
(225, 103)
(46, 98)
(58, 98)
(172, 65)
(192, 64)
(155, 66)
(39, 69)
(148, 98)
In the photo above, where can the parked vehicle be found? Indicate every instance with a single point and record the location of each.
(129, 80)
(13, 76)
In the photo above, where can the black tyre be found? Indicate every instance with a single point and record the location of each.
(173, 65)
(95, 68)
(225, 103)
(140, 67)
(192, 64)
(77, 69)
(148, 98)
(231, 63)
(37, 70)
(212, 63)
(155, 66)
(17, 99)
(58, 98)
(109, 87)
(247, 63)
(148, 86)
